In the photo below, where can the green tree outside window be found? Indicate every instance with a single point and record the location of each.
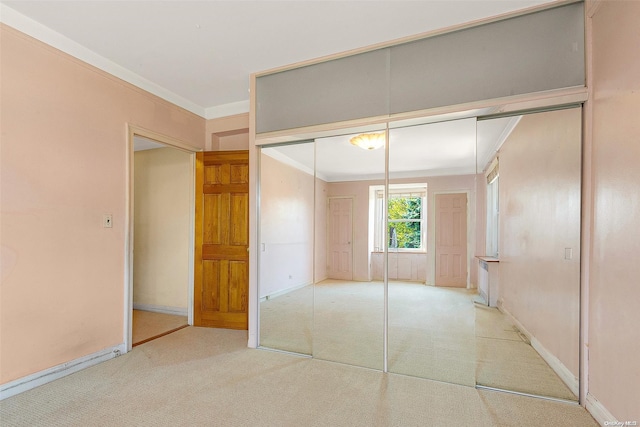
(405, 215)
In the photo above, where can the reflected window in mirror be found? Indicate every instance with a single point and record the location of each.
(493, 212)
(407, 216)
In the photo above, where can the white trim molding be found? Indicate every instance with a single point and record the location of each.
(599, 412)
(284, 291)
(132, 132)
(558, 367)
(54, 39)
(46, 376)
(224, 110)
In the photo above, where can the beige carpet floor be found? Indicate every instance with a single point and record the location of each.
(434, 333)
(343, 321)
(507, 361)
(208, 377)
(348, 323)
(148, 325)
(286, 322)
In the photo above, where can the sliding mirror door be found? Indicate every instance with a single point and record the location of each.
(349, 296)
(480, 222)
(528, 308)
(431, 236)
(286, 257)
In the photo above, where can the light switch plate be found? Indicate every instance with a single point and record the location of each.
(568, 253)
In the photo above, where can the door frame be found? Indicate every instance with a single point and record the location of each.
(132, 132)
(431, 234)
(353, 243)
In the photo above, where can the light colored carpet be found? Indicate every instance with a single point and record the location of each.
(434, 333)
(343, 322)
(286, 322)
(208, 377)
(507, 361)
(149, 324)
(348, 323)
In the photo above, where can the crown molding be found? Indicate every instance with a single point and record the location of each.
(52, 38)
(226, 110)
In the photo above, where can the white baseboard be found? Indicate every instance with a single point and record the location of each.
(599, 412)
(39, 378)
(178, 311)
(558, 367)
(283, 292)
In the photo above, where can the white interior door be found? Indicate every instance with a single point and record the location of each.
(451, 240)
(340, 244)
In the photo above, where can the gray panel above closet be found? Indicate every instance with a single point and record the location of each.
(527, 54)
(352, 87)
(530, 53)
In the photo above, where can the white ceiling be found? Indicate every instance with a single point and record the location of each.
(141, 143)
(199, 54)
(456, 147)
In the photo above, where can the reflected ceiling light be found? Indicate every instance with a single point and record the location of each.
(368, 141)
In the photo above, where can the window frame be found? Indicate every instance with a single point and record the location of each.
(381, 238)
(493, 217)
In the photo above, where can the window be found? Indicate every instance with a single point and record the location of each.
(493, 214)
(406, 210)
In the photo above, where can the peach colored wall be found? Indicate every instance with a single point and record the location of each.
(232, 142)
(614, 291)
(228, 133)
(63, 165)
(286, 227)
(438, 184)
(162, 212)
(540, 167)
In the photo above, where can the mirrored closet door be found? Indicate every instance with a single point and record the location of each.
(431, 236)
(349, 300)
(286, 244)
(528, 307)
(464, 250)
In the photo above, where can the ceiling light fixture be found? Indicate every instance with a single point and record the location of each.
(368, 141)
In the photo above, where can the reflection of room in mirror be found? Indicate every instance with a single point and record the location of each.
(323, 261)
(286, 248)
(535, 289)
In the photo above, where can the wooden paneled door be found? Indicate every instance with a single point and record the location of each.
(451, 240)
(340, 245)
(221, 271)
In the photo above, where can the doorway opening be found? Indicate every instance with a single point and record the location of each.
(160, 236)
